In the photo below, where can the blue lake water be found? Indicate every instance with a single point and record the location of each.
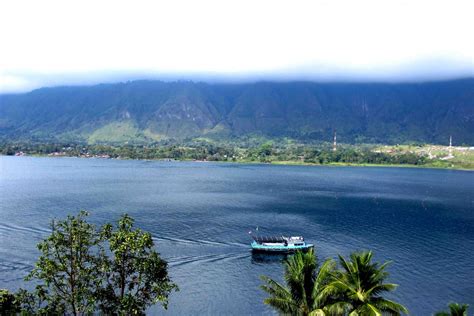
(200, 215)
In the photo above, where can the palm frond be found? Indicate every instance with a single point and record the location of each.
(379, 288)
(282, 305)
(458, 309)
(361, 284)
(389, 306)
(338, 308)
(275, 288)
(317, 312)
(455, 309)
(373, 311)
(323, 278)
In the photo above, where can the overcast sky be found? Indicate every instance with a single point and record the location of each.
(48, 42)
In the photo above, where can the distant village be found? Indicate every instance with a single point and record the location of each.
(427, 155)
(430, 151)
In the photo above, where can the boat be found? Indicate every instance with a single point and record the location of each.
(279, 244)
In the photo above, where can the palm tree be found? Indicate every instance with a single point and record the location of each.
(455, 309)
(359, 287)
(302, 293)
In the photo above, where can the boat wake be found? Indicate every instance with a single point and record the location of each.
(185, 260)
(11, 228)
(199, 242)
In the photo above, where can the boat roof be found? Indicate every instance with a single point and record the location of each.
(269, 238)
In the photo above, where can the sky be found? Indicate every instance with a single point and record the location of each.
(62, 42)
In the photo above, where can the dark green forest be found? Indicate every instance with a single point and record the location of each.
(144, 112)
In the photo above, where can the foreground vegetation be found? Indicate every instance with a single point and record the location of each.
(114, 270)
(82, 270)
(455, 309)
(255, 150)
(356, 289)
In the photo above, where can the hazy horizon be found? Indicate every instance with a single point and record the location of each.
(229, 81)
(54, 43)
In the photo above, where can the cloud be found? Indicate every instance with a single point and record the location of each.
(55, 42)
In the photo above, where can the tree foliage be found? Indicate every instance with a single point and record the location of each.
(136, 276)
(455, 309)
(8, 303)
(355, 290)
(360, 286)
(224, 151)
(302, 294)
(67, 267)
(82, 270)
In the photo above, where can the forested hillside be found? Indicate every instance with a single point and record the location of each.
(147, 111)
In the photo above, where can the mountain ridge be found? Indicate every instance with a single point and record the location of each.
(146, 111)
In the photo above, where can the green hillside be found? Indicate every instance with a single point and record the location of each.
(147, 111)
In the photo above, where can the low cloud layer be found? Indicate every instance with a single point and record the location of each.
(53, 42)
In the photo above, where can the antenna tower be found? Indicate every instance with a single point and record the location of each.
(450, 146)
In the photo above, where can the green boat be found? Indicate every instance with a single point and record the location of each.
(279, 244)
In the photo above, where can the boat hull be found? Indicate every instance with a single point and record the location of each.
(259, 248)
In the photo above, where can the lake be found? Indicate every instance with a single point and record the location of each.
(200, 215)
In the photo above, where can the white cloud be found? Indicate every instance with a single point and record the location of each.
(44, 42)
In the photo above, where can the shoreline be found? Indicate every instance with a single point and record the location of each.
(275, 163)
(345, 164)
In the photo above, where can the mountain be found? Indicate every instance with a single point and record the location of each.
(147, 111)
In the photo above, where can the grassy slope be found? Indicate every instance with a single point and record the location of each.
(116, 132)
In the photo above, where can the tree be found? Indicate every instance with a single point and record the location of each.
(8, 303)
(265, 149)
(83, 269)
(455, 309)
(136, 276)
(302, 294)
(359, 287)
(67, 269)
